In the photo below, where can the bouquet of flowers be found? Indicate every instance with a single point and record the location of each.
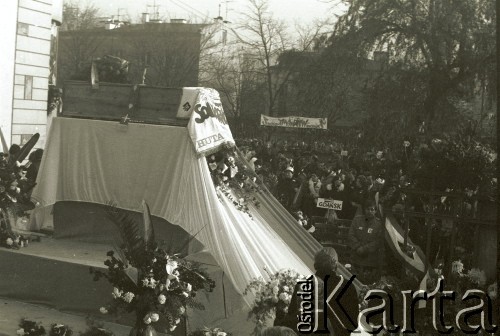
(30, 328)
(273, 296)
(210, 332)
(233, 178)
(10, 239)
(157, 286)
(58, 329)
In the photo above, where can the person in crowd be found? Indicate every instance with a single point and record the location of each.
(376, 195)
(311, 196)
(287, 188)
(14, 151)
(341, 194)
(366, 238)
(33, 165)
(343, 318)
(313, 166)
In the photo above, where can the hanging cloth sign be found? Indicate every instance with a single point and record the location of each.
(208, 127)
(294, 122)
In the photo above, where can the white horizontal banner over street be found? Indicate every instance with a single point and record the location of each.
(291, 121)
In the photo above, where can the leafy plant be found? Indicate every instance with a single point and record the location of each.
(157, 286)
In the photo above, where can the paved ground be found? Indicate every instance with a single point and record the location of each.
(11, 313)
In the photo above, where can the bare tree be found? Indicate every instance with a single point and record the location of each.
(267, 38)
(309, 36)
(78, 16)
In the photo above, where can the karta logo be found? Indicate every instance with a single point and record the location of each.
(314, 308)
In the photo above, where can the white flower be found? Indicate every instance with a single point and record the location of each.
(283, 296)
(171, 266)
(221, 333)
(182, 310)
(117, 293)
(162, 299)
(477, 276)
(145, 282)
(189, 287)
(152, 283)
(103, 310)
(286, 288)
(20, 332)
(276, 290)
(154, 260)
(167, 283)
(457, 267)
(147, 319)
(128, 297)
(155, 317)
(9, 241)
(185, 294)
(172, 328)
(177, 320)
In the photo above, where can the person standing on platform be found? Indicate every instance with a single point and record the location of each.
(366, 238)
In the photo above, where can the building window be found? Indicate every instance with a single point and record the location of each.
(23, 28)
(28, 87)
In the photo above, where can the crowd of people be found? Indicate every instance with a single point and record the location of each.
(369, 182)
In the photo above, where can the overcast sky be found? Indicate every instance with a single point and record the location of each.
(304, 11)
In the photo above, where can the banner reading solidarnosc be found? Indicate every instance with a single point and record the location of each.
(296, 122)
(207, 125)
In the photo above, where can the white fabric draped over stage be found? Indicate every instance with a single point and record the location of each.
(102, 161)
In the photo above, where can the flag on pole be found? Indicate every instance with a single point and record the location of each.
(413, 259)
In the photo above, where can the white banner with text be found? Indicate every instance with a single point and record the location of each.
(295, 122)
(329, 204)
(208, 126)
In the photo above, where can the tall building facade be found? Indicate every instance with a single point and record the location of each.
(29, 38)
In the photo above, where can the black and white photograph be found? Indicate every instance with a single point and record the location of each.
(249, 168)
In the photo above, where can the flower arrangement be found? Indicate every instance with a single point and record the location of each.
(157, 286)
(30, 328)
(57, 329)
(210, 332)
(272, 296)
(230, 174)
(10, 239)
(15, 200)
(467, 279)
